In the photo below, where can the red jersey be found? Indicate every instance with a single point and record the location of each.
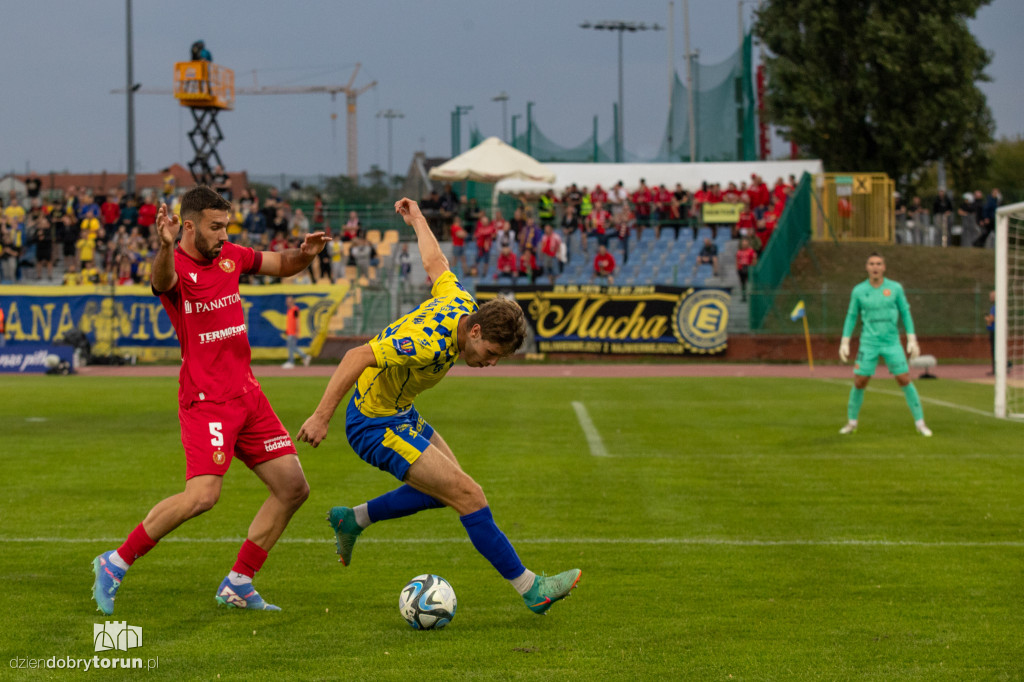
(527, 262)
(110, 212)
(746, 221)
(549, 244)
(507, 262)
(206, 311)
(484, 235)
(459, 235)
(147, 215)
(745, 257)
(599, 219)
(604, 263)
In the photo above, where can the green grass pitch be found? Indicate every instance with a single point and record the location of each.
(729, 534)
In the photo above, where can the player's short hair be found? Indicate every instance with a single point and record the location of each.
(200, 198)
(875, 254)
(502, 322)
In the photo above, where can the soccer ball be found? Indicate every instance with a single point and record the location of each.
(427, 602)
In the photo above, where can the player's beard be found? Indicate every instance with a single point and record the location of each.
(208, 250)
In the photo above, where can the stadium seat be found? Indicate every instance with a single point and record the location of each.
(373, 236)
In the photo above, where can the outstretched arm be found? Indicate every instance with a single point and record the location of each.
(293, 261)
(434, 261)
(163, 277)
(344, 377)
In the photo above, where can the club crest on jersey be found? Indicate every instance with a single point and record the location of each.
(218, 457)
(404, 346)
(227, 265)
(887, 292)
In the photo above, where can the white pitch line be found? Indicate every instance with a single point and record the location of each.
(723, 542)
(597, 448)
(932, 401)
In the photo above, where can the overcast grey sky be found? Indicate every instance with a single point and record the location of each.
(63, 59)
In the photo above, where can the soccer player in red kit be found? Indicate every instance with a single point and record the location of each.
(222, 409)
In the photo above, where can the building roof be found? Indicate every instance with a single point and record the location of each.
(104, 182)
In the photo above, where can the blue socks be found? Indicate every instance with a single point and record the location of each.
(401, 501)
(492, 543)
(483, 532)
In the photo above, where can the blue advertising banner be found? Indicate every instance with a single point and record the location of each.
(131, 320)
(37, 358)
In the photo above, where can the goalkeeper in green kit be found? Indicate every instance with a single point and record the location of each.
(880, 302)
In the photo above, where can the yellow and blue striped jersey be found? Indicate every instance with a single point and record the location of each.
(416, 351)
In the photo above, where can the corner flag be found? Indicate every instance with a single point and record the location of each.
(800, 313)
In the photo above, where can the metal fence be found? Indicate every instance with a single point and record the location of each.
(936, 312)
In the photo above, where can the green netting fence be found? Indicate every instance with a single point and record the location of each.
(791, 233)
(724, 119)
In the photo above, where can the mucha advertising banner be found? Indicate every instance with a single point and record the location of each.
(656, 320)
(131, 321)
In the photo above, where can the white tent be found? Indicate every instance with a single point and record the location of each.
(490, 161)
(689, 175)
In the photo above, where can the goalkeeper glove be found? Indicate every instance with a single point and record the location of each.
(913, 350)
(844, 349)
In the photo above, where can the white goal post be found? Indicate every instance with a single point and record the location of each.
(1009, 336)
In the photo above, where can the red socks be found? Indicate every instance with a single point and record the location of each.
(137, 544)
(250, 559)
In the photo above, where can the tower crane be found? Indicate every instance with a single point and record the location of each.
(207, 88)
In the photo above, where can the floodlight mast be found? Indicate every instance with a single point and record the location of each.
(621, 27)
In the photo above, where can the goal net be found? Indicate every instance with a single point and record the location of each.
(1009, 326)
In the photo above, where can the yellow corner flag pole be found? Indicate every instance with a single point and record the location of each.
(800, 312)
(807, 336)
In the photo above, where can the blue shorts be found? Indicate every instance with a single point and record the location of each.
(389, 443)
(867, 359)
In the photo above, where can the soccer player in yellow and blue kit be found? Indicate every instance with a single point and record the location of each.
(385, 430)
(880, 303)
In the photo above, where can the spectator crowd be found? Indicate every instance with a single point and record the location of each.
(83, 236)
(532, 245)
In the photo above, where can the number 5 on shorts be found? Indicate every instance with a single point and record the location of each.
(218, 437)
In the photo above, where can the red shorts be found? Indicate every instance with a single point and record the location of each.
(246, 427)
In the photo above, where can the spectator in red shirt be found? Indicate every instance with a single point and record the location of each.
(507, 265)
(746, 257)
(759, 194)
(484, 237)
(147, 215)
(110, 213)
(643, 206)
(600, 223)
(528, 264)
(598, 195)
(459, 236)
(625, 222)
(779, 190)
(550, 245)
(747, 222)
(604, 264)
(700, 197)
(766, 225)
